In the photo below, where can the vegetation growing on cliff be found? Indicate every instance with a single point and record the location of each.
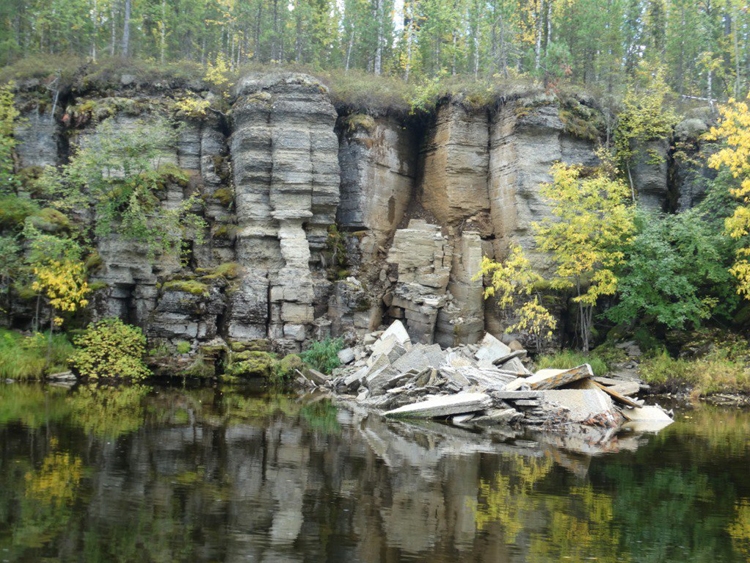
(121, 172)
(592, 224)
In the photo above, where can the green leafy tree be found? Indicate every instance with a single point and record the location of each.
(8, 116)
(591, 225)
(674, 273)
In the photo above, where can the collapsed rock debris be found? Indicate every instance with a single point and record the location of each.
(479, 385)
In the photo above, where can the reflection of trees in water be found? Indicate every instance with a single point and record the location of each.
(575, 523)
(109, 412)
(739, 529)
(508, 500)
(33, 405)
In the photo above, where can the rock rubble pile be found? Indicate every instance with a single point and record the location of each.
(480, 384)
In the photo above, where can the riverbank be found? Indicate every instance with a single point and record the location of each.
(707, 369)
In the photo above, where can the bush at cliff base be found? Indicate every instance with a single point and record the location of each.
(111, 349)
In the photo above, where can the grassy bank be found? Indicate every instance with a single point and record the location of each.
(32, 357)
(720, 371)
(723, 369)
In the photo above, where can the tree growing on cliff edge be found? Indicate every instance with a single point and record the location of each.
(733, 131)
(645, 117)
(591, 225)
(512, 281)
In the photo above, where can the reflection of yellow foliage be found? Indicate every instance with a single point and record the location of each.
(739, 530)
(506, 500)
(57, 480)
(580, 527)
(109, 411)
(578, 524)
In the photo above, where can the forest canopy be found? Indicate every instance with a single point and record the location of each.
(703, 45)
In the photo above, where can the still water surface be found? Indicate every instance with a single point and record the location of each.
(173, 474)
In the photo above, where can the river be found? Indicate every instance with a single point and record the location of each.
(152, 474)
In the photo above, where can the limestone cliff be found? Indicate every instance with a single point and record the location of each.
(325, 223)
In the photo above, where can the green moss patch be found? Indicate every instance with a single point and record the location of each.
(193, 287)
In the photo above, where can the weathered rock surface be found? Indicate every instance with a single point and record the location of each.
(416, 204)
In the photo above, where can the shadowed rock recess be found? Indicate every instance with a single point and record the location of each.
(322, 222)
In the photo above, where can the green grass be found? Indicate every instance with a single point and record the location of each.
(26, 357)
(720, 371)
(569, 359)
(323, 354)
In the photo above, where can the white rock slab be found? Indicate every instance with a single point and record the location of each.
(490, 349)
(447, 405)
(647, 413)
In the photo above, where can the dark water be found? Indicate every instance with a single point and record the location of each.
(165, 474)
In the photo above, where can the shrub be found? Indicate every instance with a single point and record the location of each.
(111, 348)
(183, 347)
(323, 354)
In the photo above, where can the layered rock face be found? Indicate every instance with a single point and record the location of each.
(286, 178)
(329, 224)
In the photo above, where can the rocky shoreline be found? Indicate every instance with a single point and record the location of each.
(480, 385)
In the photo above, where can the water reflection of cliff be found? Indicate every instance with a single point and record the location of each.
(210, 476)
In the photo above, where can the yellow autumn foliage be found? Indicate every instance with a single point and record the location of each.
(734, 130)
(511, 281)
(63, 282)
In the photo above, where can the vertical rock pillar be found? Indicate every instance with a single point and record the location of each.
(286, 173)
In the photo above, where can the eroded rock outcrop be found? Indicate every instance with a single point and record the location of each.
(323, 222)
(286, 177)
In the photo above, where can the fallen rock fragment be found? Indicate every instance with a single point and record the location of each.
(447, 405)
(498, 416)
(584, 404)
(552, 378)
(646, 419)
(346, 356)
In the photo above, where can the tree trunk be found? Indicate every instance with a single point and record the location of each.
(95, 24)
(126, 30)
(379, 46)
(349, 52)
(163, 30)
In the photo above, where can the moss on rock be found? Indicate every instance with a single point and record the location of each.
(193, 287)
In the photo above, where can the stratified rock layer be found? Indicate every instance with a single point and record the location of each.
(286, 178)
(328, 223)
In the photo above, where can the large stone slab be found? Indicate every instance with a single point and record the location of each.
(555, 378)
(581, 404)
(491, 349)
(443, 406)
